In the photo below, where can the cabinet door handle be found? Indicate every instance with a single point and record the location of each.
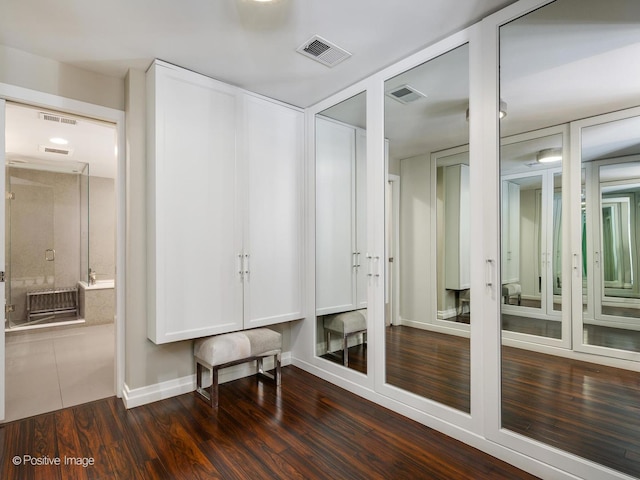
(374, 261)
(489, 272)
(240, 266)
(246, 264)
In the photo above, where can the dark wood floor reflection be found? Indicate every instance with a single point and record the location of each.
(306, 429)
(429, 364)
(584, 408)
(357, 358)
(597, 335)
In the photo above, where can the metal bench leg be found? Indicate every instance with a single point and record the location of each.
(277, 358)
(345, 351)
(209, 394)
(276, 375)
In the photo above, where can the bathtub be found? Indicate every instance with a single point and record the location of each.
(99, 285)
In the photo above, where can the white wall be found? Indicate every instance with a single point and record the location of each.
(49, 76)
(528, 244)
(415, 238)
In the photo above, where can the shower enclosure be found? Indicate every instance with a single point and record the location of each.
(47, 249)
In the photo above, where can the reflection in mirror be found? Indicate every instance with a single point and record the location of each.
(612, 316)
(427, 339)
(341, 288)
(583, 403)
(531, 215)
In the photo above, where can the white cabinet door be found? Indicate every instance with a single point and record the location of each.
(456, 220)
(511, 232)
(341, 217)
(336, 251)
(273, 158)
(361, 218)
(194, 228)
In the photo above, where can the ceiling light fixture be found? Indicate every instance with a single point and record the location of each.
(501, 113)
(59, 141)
(503, 109)
(549, 155)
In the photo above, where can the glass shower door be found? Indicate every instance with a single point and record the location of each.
(30, 249)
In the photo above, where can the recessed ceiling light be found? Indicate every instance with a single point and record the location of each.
(59, 141)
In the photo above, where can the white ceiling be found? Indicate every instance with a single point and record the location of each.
(571, 59)
(242, 42)
(90, 142)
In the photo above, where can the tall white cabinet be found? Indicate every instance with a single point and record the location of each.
(224, 197)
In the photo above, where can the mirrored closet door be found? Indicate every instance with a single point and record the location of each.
(531, 199)
(426, 128)
(343, 264)
(610, 222)
(569, 309)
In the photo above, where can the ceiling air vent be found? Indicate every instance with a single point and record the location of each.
(56, 150)
(323, 51)
(57, 118)
(405, 94)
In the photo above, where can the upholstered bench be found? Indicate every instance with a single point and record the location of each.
(345, 325)
(510, 290)
(221, 351)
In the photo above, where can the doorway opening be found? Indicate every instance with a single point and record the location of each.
(60, 248)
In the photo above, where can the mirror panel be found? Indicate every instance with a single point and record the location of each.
(426, 128)
(531, 234)
(341, 210)
(610, 155)
(565, 64)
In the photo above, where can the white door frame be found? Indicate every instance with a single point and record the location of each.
(3, 300)
(117, 117)
(392, 286)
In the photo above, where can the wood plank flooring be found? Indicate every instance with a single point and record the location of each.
(306, 429)
(429, 364)
(583, 408)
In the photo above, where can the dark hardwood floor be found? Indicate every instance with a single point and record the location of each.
(306, 429)
(429, 364)
(587, 409)
(583, 408)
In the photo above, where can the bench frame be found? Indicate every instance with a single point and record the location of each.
(210, 394)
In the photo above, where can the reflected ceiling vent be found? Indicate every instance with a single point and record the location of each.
(50, 117)
(323, 51)
(57, 150)
(406, 94)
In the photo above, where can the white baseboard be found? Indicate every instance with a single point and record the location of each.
(445, 314)
(159, 391)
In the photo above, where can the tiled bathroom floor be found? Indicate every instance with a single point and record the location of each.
(49, 370)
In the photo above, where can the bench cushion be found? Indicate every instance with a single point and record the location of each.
(263, 341)
(222, 348)
(231, 347)
(347, 322)
(511, 289)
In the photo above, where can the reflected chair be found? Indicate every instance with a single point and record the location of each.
(346, 325)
